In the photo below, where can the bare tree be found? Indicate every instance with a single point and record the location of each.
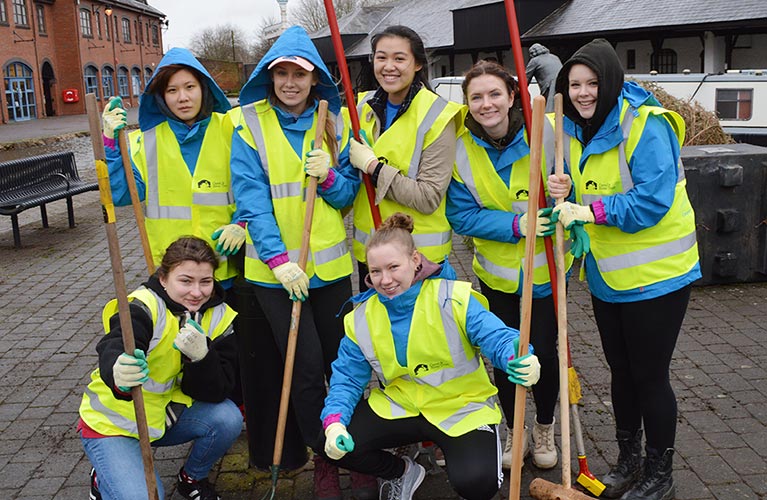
(263, 43)
(224, 42)
(311, 13)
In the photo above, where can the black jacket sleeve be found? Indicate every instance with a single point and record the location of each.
(111, 345)
(212, 378)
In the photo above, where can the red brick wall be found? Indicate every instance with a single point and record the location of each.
(68, 52)
(228, 75)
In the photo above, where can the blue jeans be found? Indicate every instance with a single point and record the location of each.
(119, 467)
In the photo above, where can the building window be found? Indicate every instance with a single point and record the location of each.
(85, 23)
(126, 30)
(122, 82)
(107, 29)
(734, 104)
(20, 13)
(663, 61)
(135, 74)
(3, 13)
(147, 76)
(155, 36)
(631, 59)
(108, 82)
(20, 92)
(116, 31)
(40, 19)
(92, 80)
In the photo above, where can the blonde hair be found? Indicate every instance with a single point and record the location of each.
(397, 228)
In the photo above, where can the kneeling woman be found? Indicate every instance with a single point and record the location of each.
(421, 332)
(182, 327)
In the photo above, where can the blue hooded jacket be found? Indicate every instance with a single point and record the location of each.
(250, 184)
(352, 372)
(152, 112)
(293, 42)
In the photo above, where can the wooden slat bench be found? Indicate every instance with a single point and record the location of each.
(37, 180)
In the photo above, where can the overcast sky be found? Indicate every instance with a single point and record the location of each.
(188, 17)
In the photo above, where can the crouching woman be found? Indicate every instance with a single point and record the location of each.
(185, 363)
(421, 332)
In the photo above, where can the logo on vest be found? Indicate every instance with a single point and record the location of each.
(423, 367)
(522, 192)
(420, 367)
(591, 184)
(203, 182)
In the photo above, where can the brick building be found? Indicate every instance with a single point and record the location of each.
(53, 52)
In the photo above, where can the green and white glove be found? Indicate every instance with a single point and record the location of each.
(543, 224)
(567, 214)
(293, 279)
(317, 164)
(114, 117)
(361, 155)
(524, 371)
(338, 442)
(130, 371)
(230, 238)
(191, 341)
(581, 244)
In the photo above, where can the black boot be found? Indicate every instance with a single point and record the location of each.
(657, 483)
(629, 467)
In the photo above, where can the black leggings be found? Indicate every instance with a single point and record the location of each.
(638, 339)
(472, 460)
(320, 331)
(543, 337)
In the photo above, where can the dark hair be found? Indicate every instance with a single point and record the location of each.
(163, 75)
(485, 67)
(187, 248)
(416, 47)
(398, 227)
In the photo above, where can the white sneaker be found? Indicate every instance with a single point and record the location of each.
(545, 451)
(403, 487)
(506, 457)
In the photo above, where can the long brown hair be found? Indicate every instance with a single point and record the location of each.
(186, 248)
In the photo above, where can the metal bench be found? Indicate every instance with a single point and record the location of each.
(37, 180)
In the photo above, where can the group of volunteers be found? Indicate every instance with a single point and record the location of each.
(224, 196)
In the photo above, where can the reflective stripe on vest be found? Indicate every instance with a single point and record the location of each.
(118, 420)
(320, 257)
(421, 240)
(647, 255)
(153, 208)
(254, 124)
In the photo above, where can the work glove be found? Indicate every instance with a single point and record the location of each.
(317, 163)
(191, 341)
(361, 154)
(567, 214)
(130, 371)
(338, 442)
(543, 224)
(559, 185)
(524, 371)
(581, 244)
(230, 238)
(294, 279)
(114, 117)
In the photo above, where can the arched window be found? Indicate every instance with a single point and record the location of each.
(147, 75)
(108, 81)
(122, 81)
(92, 81)
(663, 61)
(135, 74)
(19, 91)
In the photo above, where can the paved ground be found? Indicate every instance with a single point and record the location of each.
(53, 288)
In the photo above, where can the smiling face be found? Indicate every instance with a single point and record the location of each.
(189, 283)
(292, 85)
(394, 66)
(489, 103)
(583, 89)
(183, 96)
(392, 268)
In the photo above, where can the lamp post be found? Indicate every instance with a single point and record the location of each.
(108, 12)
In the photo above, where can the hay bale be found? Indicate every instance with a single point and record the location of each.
(702, 125)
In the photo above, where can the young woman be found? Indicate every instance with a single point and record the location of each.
(487, 200)
(273, 150)
(411, 135)
(420, 332)
(623, 151)
(181, 326)
(180, 159)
